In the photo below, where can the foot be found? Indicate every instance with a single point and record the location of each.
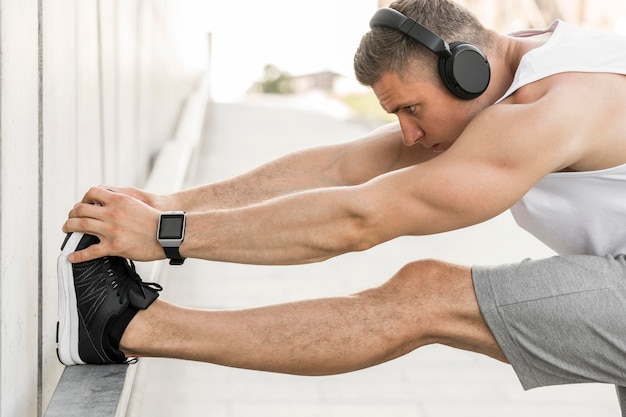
(97, 300)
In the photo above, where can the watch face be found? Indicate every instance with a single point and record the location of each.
(171, 226)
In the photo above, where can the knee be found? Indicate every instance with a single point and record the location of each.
(424, 286)
(423, 267)
(416, 286)
(434, 302)
(429, 276)
(428, 288)
(412, 301)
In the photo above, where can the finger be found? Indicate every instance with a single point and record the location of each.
(88, 211)
(90, 253)
(129, 191)
(88, 225)
(113, 188)
(97, 195)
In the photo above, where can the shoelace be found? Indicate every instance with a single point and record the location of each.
(125, 286)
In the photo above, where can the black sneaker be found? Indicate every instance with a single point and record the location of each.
(97, 300)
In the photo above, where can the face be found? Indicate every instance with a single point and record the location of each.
(428, 114)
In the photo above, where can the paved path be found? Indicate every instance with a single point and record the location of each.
(435, 381)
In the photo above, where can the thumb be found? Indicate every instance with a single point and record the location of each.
(90, 253)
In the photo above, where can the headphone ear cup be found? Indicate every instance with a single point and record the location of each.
(466, 71)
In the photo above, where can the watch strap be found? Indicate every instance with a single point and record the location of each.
(174, 255)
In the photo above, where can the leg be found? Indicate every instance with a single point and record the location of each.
(425, 302)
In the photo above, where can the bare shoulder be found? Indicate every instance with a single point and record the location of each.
(508, 147)
(561, 122)
(578, 114)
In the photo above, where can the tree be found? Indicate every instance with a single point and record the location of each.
(275, 81)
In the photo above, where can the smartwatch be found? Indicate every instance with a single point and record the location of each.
(171, 233)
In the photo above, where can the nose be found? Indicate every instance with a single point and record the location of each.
(411, 134)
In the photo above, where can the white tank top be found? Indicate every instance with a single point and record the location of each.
(575, 212)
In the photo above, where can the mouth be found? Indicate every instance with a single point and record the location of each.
(437, 148)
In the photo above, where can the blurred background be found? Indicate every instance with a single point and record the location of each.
(285, 48)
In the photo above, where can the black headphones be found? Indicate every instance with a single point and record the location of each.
(463, 68)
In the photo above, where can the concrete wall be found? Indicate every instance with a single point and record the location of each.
(89, 92)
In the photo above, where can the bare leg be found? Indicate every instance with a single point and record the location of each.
(425, 302)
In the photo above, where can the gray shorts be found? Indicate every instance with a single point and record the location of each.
(560, 320)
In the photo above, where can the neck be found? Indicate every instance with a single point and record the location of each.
(505, 58)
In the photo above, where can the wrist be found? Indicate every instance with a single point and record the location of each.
(171, 233)
(194, 200)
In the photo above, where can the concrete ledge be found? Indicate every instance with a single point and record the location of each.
(92, 390)
(104, 390)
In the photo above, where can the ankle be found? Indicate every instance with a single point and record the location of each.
(135, 337)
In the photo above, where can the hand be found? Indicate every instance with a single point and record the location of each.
(157, 201)
(125, 225)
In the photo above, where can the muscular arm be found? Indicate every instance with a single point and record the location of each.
(501, 154)
(124, 218)
(499, 157)
(349, 163)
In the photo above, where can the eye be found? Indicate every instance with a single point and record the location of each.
(410, 109)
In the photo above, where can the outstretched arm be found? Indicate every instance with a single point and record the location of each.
(490, 167)
(124, 216)
(348, 163)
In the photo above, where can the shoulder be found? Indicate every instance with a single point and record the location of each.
(577, 113)
(535, 128)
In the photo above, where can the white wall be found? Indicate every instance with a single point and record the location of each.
(89, 91)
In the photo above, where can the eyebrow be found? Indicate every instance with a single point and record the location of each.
(400, 107)
(396, 110)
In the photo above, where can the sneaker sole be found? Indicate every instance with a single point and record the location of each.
(67, 326)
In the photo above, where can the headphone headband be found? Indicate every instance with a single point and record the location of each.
(393, 19)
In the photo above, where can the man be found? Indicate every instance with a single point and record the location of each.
(530, 122)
